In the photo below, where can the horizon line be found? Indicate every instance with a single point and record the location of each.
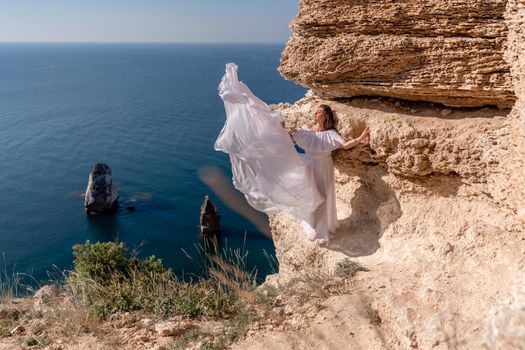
(144, 42)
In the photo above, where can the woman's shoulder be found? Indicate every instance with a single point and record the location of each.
(332, 131)
(330, 136)
(311, 127)
(308, 126)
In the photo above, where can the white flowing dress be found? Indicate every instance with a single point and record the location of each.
(318, 147)
(267, 169)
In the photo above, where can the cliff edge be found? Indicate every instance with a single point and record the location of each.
(434, 207)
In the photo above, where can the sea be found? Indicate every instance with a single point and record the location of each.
(149, 111)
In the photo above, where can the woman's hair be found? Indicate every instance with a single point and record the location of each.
(329, 121)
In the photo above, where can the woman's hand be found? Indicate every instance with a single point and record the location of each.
(352, 142)
(364, 135)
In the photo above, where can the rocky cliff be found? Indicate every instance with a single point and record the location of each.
(443, 51)
(434, 206)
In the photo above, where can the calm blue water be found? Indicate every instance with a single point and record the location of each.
(149, 111)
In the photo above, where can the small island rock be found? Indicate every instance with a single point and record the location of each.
(101, 195)
(209, 219)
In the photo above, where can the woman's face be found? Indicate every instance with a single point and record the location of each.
(319, 116)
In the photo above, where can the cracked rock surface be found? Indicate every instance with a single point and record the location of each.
(450, 52)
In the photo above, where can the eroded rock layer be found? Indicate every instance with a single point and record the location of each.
(450, 52)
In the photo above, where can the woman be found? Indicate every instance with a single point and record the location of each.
(319, 139)
(266, 167)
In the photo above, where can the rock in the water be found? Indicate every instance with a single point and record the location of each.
(209, 219)
(101, 194)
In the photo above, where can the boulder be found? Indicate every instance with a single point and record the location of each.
(46, 296)
(101, 195)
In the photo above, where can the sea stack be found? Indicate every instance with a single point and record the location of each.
(209, 220)
(101, 195)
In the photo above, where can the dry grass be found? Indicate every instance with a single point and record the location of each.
(226, 292)
(106, 280)
(61, 323)
(12, 283)
(162, 295)
(348, 268)
(214, 340)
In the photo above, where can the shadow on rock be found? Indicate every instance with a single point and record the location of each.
(374, 207)
(423, 108)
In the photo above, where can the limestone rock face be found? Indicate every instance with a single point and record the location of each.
(506, 322)
(515, 55)
(429, 208)
(434, 206)
(450, 52)
(101, 195)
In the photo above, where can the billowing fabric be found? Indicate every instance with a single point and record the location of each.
(265, 165)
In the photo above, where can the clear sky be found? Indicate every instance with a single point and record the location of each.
(146, 20)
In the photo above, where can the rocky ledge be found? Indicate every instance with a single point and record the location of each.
(450, 52)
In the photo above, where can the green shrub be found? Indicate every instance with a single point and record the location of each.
(106, 280)
(102, 261)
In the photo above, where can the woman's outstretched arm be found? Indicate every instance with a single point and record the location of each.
(352, 142)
